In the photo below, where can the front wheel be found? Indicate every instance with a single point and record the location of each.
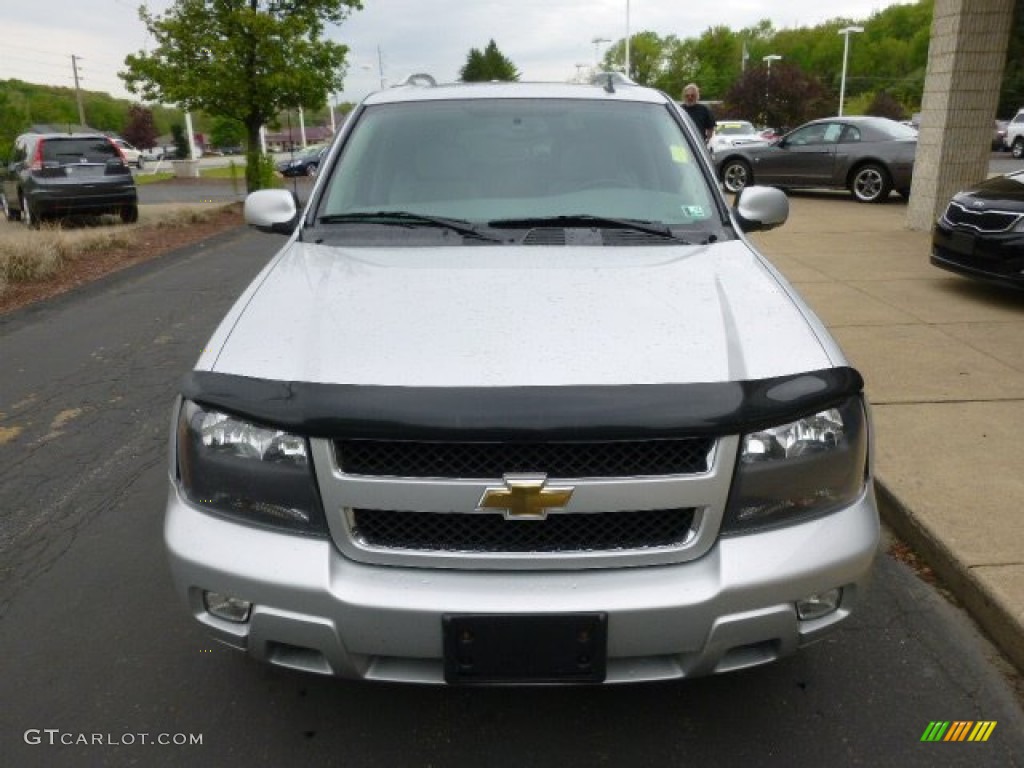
(870, 184)
(736, 175)
(1017, 148)
(311, 170)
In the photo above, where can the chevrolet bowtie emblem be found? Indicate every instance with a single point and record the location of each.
(525, 497)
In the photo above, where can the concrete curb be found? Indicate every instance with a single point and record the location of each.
(988, 609)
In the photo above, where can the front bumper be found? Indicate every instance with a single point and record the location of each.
(317, 611)
(995, 257)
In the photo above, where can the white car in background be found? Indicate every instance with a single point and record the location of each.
(132, 156)
(733, 133)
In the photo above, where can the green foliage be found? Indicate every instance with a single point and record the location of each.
(891, 55)
(227, 132)
(489, 65)
(246, 60)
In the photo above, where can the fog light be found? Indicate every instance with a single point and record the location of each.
(815, 606)
(227, 607)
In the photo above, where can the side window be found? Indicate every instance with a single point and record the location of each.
(851, 135)
(832, 133)
(1018, 118)
(812, 134)
(20, 151)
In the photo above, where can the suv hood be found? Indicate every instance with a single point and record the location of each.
(515, 316)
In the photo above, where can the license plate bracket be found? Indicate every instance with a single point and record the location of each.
(525, 648)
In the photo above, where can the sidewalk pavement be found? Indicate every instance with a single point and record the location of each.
(943, 361)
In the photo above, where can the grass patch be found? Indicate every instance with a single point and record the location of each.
(38, 255)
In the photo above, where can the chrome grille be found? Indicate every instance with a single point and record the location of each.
(621, 458)
(980, 220)
(492, 533)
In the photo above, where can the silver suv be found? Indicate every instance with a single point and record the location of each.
(54, 175)
(518, 402)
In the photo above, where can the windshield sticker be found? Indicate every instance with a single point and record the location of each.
(694, 211)
(679, 154)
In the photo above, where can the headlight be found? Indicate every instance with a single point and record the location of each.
(252, 473)
(802, 469)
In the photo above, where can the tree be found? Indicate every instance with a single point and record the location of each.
(487, 66)
(884, 105)
(140, 129)
(226, 132)
(242, 59)
(181, 148)
(785, 99)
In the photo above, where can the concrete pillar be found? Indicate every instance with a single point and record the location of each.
(961, 94)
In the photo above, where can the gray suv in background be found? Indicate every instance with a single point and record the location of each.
(54, 175)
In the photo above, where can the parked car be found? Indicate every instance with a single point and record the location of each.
(980, 232)
(131, 155)
(870, 156)
(518, 402)
(305, 163)
(734, 133)
(54, 175)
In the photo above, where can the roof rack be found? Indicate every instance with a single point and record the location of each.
(421, 79)
(610, 79)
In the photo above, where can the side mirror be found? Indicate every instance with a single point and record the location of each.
(272, 210)
(758, 209)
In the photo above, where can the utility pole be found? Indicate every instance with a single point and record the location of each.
(78, 91)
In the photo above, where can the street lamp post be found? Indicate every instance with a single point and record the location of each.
(845, 32)
(768, 78)
(627, 39)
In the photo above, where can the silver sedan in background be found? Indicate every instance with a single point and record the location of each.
(870, 156)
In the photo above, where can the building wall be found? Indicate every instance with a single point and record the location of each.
(961, 93)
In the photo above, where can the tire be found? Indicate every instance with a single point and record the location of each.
(736, 175)
(28, 216)
(129, 214)
(139, 163)
(311, 170)
(1017, 148)
(870, 183)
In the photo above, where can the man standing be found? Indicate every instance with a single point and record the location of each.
(699, 113)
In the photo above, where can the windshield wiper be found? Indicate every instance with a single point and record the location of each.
(408, 219)
(589, 220)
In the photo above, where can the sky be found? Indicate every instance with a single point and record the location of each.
(389, 39)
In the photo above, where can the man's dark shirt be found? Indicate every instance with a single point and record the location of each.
(702, 118)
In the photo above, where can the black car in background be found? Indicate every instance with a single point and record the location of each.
(55, 175)
(305, 163)
(869, 156)
(981, 232)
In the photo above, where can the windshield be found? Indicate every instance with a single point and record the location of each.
(77, 150)
(504, 159)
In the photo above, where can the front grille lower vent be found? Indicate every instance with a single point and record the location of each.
(491, 533)
(981, 221)
(618, 458)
